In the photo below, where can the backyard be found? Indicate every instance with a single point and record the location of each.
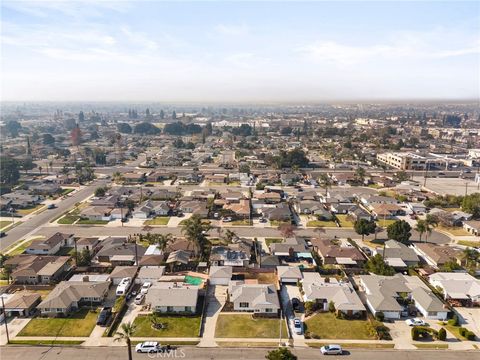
(244, 326)
(159, 220)
(327, 326)
(176, 326)
(79, 324)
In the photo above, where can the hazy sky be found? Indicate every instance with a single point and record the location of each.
(239, 51)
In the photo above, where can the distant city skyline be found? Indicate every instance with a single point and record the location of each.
(258, 52)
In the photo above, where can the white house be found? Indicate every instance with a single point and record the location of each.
(172, 297)
(289, 274)
(462, 287)
(220, 275)
(149, 274)
(258, 298)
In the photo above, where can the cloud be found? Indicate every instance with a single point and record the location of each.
(232, 29)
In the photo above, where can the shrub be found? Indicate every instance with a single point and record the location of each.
(415, 333)
(331, 306)
(380, 316)
(462, 331)
(442, 334)
(470, 335)
(453, 321)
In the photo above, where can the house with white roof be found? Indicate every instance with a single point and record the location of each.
(457, 286)
(257, 298)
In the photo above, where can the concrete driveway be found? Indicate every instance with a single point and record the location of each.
(216, 297)
(286, 294)
(470, 317)
(15, 325)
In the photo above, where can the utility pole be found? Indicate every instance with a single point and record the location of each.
(5, 320)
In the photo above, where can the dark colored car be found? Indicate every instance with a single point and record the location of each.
(295, 303)
(104, 316)
(2, 234)
(51, 206)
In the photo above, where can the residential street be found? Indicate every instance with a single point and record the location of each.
(118, 353)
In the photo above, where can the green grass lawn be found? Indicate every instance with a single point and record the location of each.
(344, 222)
(91, 222)
(269, 241)
(327, 326)
(321, 223)
(177, 326)
(244, 222)
(29, 210)
(79, 324)
(205, 221)
(159, 220)
(385, 222)
(68, 219)
(244, 326)
(431, 346)
(469, 243)
(455, 231)
(19, 250)
(66, 191)
(278, 223)
(4, 224)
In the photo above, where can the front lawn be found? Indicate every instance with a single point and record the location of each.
(159, 220)
(91, 222)
(244, 326)
(344, 221)
(455, 231)
(321, 223)
(66, 191)
(269, 241)
(385, 222)
(20, 249)
(29, 210)
(68, 219)
(177, 326)
(4, 224)
(79, 324)
(327, 326)
(279, 223)
(469, 243)
(244, 222)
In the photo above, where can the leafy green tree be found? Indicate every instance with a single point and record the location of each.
(364, 227)
(471, 204)
(377, 265)
(146, 128)
(100, 192)
(450, 266)
(124, 128)
(125, 334)
(325, 182)
(244, 168)
(421, 227)
(360, 174)
(282, 353)
(9, 173)
(48, 139)
(13, 127)
(331, 306)
(195, 231)
(400, 231)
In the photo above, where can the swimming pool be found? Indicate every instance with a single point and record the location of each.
(192, 280)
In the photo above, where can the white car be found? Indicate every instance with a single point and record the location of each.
(415, 322)
(145, 287)
(139, 299)
(147, 347)
(227, 219)
(297, 326)
(331, 350)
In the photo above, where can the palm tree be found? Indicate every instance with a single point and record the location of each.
(127, 331)
(421, 227)
(117, 177)
(195, 231)
(163, 240)
(430, 221)
(230, 235)
(325, 182)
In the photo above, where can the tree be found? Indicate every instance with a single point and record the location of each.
(472, 257)
(377, 265)
(117, 177)
(360, 174)
(230, 235)
(287, 230)
(195, 232)
(399, 231)
(364, 227)
(48, 139)
(471, 204)
(100, 192)
(421, 227)
(81, 117)
(146, 128)
(161, 240)
(450, 266)
(331, 306)
(9, 173)
(27, 164)
(442, 334)
(174, 115)
(13, 127)
(280, 354)
(126, 332)
(76, 136)
(162, 114)
(244, 168)
(400, 176)
(124, 128)
(325, 182)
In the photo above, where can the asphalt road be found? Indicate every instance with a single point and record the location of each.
(118, 353)
(35, 222)
(89, 230)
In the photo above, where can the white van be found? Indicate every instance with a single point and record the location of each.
(122, 288)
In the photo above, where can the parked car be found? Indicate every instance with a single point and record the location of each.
(145, 287)
(295, 303)
(415, 322)
(3, 233)
(51, 206)
(104, 315)
(297, 326)
(263, 220)
(139, 299)
(148, 347)
(227, 219)
(331, 350)
(367, 251)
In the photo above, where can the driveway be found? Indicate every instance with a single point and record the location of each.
(15, 325)
(470, 317)
(286, 294)
(216, 298)
(175, 220)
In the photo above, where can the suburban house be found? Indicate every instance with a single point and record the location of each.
(172, 297)
(34, 269)
(309, 207)
(220, 275)
(333, 253)
(280, 212)
(392, 296)
(257, 298)
(113, 247)
(20, 199)
(87, 243)
(149, 274)
(291, 247)
(194, 207)
(398, 255)
(289, 274)
(97, 213)
(269, 261)
(241, 209)
(69, 296)
(21, 303)
(229, 256)
(120, 272)
(51, 245)
(437, 255)
(472, 226)
(386, 211)
(322, 290)
(457, 287)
